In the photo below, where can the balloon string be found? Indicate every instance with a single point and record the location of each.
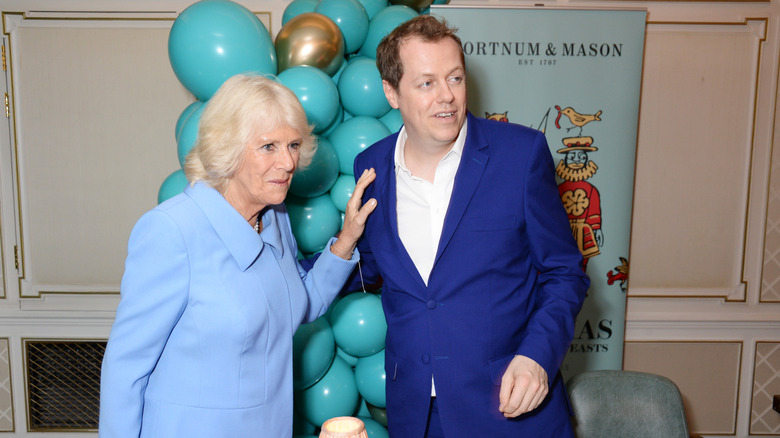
(360, 271)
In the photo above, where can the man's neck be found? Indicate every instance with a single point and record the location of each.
(422, 161)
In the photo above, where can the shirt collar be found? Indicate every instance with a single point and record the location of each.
(400, 144)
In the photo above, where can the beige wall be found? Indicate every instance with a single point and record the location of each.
(93, 100)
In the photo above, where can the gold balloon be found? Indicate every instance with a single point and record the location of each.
(310, 39)
(417, 5)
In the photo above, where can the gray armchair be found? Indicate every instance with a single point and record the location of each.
(618, 404)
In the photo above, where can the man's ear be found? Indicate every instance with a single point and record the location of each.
(390, 93)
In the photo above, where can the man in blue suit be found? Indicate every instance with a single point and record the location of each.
(482, 279)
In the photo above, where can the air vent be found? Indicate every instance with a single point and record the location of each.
(63, 384)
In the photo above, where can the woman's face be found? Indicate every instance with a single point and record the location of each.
(269, 160)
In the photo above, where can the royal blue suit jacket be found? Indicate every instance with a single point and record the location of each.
(507, 280)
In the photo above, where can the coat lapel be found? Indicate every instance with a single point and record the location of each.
(472, 166)
(386, 189)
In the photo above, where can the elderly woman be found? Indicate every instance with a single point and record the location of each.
(212, 292)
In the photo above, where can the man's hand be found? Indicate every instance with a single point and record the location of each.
(523, 387)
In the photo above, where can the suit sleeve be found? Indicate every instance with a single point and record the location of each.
(561, 282)
(154, 293)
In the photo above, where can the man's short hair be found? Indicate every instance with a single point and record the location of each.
(426, 27)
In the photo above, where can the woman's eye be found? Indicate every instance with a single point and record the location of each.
(267, 146)
(294, 145)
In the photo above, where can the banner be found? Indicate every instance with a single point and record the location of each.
(576, 76)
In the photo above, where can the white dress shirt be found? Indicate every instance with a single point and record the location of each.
(422, 205)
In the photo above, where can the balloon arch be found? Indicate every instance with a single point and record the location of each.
(325, 53)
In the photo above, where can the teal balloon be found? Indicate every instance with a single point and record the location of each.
(329, 130)
(314, 348)
(342, 190)
(337, 75)
(172, 185)
(362, 408)
(348, 358)
(319, 176)
(212, 40)
(374, 429)
(314, 221)
(335, 395)
(370, 378)
(353, 136)
(298, 7)
(301, 427)
(189, 134)
(317, 93)
(359, 325)
(351, 17)
(378, 414)
(373, 7)
(185, 115)
(361, 91)
(382, 24)
(392, 120)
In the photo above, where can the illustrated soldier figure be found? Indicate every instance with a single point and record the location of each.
(581, 198)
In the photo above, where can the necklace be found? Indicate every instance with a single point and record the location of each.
(257, 224)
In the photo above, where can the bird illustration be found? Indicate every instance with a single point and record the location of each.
(577, 119)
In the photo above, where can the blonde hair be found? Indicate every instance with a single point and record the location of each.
(243, 106)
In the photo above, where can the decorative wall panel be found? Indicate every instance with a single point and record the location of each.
(6, 400)
(704, 371)
(766, 383)
(693, 159)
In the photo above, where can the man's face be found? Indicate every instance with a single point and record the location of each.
(431, 94)
(576, 159)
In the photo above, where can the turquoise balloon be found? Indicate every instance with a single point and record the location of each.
(314, 221)
(370, 378)
(374, 429)
(342, 190)
(353, 136)
(382, 24)
(358, 324)
(319, 176)
(362, 408)
(392, 120)
(185, 115)
(188, 134)
(361, 91)
(348, 358)
(373, 7)
(317, 93)
(378, 414)
(337, 75)
(301, 427)
(298, 7)
(339, 118)
(314, 348)
(351, 17)
(212, 40)
(172, 185)
(335, 395)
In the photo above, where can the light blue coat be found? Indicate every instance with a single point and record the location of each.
(202, 342)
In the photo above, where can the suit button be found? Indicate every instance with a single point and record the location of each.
(431, 304)
(425, 359)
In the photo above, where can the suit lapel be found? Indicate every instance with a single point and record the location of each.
(472, 166)
(387, 190)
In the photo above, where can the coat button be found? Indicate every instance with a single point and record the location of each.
(431, 304)
(425, 359)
